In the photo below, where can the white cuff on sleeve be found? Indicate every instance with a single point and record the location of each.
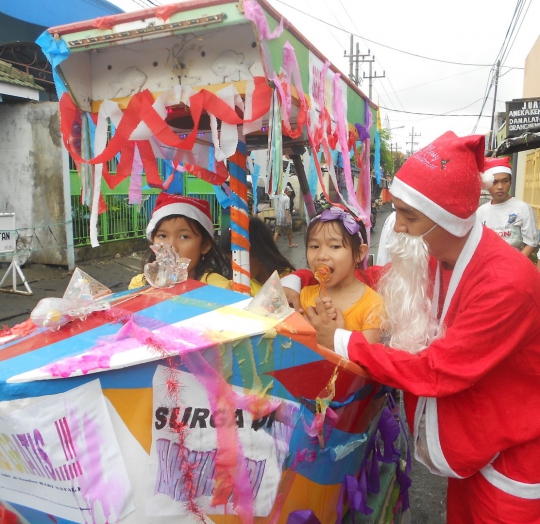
(341, 342)
(292, 282)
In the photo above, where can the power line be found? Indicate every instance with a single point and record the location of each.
(439, 79)
(428, 114)
(511, 28)
(519, 29)
(370, 75)
(387, 46)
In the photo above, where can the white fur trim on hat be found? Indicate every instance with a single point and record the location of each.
(453, 224)
(488, 176)
(179, 208)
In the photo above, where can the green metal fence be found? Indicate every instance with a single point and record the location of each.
(124, 221)
(120, 222)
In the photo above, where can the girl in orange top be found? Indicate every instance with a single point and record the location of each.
(335, 246)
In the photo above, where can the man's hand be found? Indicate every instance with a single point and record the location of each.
(293, 298)
(323, 324)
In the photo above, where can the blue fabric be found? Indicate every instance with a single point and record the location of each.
(223, 199)
(59, 12)
(254, 185)
(312, 174)
(56, 52)
(91, 132)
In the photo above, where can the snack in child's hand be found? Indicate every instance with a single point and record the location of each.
(322, 274)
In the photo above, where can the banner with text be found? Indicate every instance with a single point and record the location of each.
(265, 444)
(61, 456)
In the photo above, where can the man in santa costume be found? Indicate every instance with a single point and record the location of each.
(462, 338)
(512, 219)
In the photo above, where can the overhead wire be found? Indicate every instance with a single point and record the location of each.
(519, 29)
(502, 51)
(386, 77)
(387, 46)
(139, 4)
(511, 28)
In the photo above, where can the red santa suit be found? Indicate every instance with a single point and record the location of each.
(472, 396)
(479, 385)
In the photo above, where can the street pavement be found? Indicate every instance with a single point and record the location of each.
(428, 492)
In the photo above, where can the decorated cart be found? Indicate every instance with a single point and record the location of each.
(178, 404)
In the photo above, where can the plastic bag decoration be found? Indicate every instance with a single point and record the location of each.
(53, 313)
(168, 269)
(271, 301)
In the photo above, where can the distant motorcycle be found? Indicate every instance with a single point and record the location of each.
(321, 204)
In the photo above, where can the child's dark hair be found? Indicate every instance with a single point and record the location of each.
(211, 262)
(354, 241)
(262, 247)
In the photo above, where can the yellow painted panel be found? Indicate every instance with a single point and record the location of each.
(135, 408)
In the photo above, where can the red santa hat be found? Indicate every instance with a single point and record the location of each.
(442, 180)
(494, 166)
(168, 205)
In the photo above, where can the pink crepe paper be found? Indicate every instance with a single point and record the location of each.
(231, 473)
(342, 136)
(135, 187)
(254, 12)
(169, 340)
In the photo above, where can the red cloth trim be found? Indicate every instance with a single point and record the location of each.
(166, 11)
(104, 22)
(140, 109)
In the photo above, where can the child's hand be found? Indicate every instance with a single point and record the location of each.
(329, 306)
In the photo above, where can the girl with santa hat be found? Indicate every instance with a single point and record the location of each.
(186, 224)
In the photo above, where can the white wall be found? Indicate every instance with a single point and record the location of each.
(31, 167)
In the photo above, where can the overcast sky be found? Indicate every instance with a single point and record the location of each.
(471, 32)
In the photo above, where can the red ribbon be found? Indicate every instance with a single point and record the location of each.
(216, 179)
(140, 109)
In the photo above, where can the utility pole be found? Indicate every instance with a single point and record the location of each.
(393, 149)
(493, 141)
(412, 142)
(354, 61)
(371, 75)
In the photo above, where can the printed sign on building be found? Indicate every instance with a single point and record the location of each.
(61, 456)
(7, 232)
(265, 444)
(522, 116)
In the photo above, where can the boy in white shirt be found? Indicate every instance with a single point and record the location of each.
(512, 219)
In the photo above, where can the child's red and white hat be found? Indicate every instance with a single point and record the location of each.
(494, 166)
(442, 180)
(168, 205)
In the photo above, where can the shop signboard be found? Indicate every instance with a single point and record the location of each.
(522, 116)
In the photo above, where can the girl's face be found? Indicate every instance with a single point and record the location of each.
(326, 245)
(187, 242)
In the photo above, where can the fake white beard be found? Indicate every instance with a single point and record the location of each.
(408, 323)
